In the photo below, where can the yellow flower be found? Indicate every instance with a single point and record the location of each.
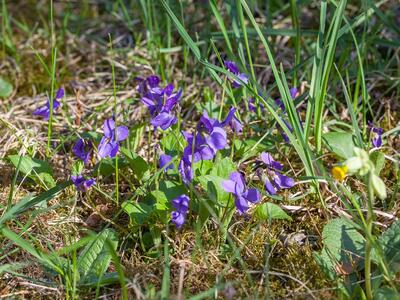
(339, 172)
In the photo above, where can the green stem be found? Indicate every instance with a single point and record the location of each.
(368, 244)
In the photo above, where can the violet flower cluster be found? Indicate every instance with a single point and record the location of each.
(209, 139)
(243, 195)
(161, 102)
(44, 111)
(273, 178)
(108, 147)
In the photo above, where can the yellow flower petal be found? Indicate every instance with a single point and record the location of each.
(339, 172)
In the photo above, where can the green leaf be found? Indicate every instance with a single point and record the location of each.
(77, 167)
(343, 244)
(385, 293)
(106, 166)
(267, 211)
(138, 212)
(95, 257)
(172, 189)
(223, 168)
(36, 169)
(138, 165)
(28, 202)
(212, 184)
(6, 88)
(378, 158)
(390, 243)
(341, 143)
(172, 142)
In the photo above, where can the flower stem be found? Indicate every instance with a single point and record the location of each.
(368, 243)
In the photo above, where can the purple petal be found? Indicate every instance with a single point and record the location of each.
(269, 187)
(204, 153)
(151, 105)
(164, 120)
(88, 183)
(172, 101)
(181, 204)
(186, 171)
(82, 150)
(108, 128)
(153, 81)
(206, 123)
(122, 132)
(81, 183)
(243, 77)
(229, 117)
(267, 159)
(178, 219)
(293, 92)
(229, 186)
(168, 89)
(240, 184)
(188, 137)
(60, 93)
(377, 142)
(231, 66)
(282, 181)
(56, 104)
(217, 139)
(285, 181)
(252, 195)
(43, 111)
(241, 204)
(165, 160)
(105, 148)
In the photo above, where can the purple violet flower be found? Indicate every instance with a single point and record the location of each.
(232, 121)
(233, 68)
(109, 144)
(181, 205)
(161, 103)
(236, 185)
(186, 170)
(44, 111)
(275, 180)
(148, 83)
(83, 150)
(81, 183)
(376, 134)
(165, 161)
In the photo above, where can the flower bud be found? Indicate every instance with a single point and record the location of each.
(379, 186)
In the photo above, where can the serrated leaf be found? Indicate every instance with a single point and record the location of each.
(271, 211)
(36, 169)
(340, 143)
(95, 258)
(343, 245)
(6, 88)
(390, 243)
